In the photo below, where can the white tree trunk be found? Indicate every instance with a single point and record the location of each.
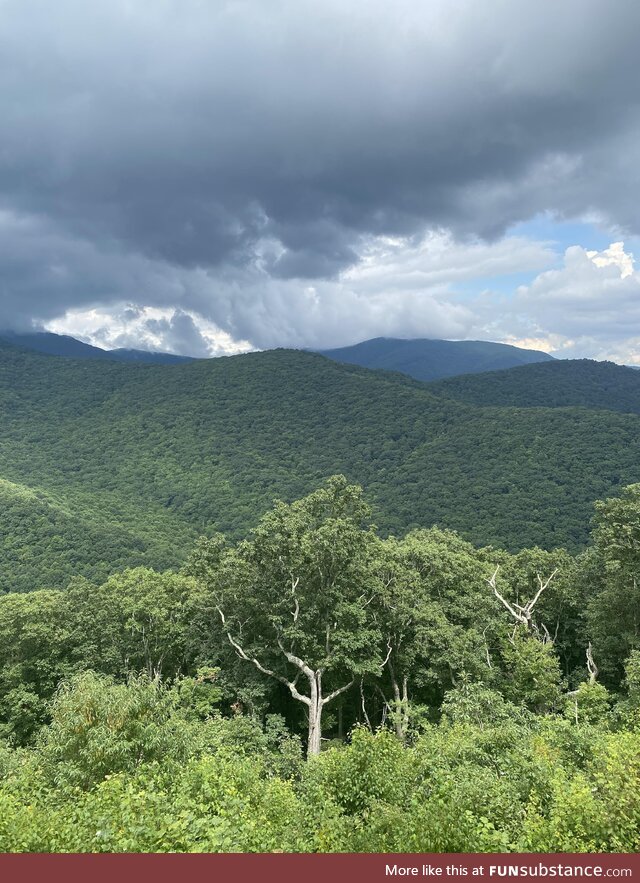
(316, 704)
(315, 727)
(315, 701)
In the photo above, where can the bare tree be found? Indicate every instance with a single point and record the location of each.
(523, 614)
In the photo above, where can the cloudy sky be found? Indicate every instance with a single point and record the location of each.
(210, 176)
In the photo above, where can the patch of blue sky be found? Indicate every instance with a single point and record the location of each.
(562, 234)
(559, 235)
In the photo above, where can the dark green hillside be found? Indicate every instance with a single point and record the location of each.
(558, 384)
(133, 462)
(433, 359)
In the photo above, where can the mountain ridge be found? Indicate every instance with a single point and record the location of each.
(148, 459)
(583, 383)
(63, 345)
(428, 359)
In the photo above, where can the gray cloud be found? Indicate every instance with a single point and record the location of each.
(222, 157)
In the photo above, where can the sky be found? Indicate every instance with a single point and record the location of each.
(213, 176)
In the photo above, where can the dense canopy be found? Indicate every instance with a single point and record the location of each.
(105, 465)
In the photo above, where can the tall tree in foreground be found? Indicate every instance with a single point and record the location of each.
(438, 620)
(614, 608)
(295, 601)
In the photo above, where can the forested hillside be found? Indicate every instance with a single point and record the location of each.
(110, 464)
(559, 384)
(433, 359)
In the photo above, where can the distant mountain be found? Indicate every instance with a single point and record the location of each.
(557, 384)
(433, 359)
(63, 345)
(105, 465)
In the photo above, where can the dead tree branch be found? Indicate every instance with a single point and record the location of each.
(523, 614)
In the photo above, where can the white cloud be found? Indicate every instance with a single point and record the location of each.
(438, 260)
(402, 287)
(148, 328)
(588, 307)
(614, 256)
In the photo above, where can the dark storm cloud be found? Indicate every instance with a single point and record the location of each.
(140, 140)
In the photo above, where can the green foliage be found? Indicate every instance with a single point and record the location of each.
(437, 610)
(596, 809)
(215, 803)
(511, 783)
(553, 384)
(371, 769)
(632, 677)
(628, 707)
(174, 743)
(532, 674)
(590, 704)
(479, 706)
(105, 466)
(612, 612)
(292, 600)
(134, 621)
(34, 641)
(99, 728)
(201, 695)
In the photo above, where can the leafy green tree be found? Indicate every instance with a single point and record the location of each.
(478, 705)
(629, 705)
(437, 615)
(135, 621)
(532, 673)
(614, 622)
(590, 704)
(295, 601)
(99, 728)
(34, 656)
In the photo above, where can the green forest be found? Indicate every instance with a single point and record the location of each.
(320, 686)
(209, 644)
(319, 440)
(556, 384)
(105, 465)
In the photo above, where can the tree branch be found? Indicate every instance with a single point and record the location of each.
(291, 685)
(364, 707)
(294, 586)
(524, 614)
(337, 692)
(295, 660)
(532, 603)
(387, 657)
(514, 613)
